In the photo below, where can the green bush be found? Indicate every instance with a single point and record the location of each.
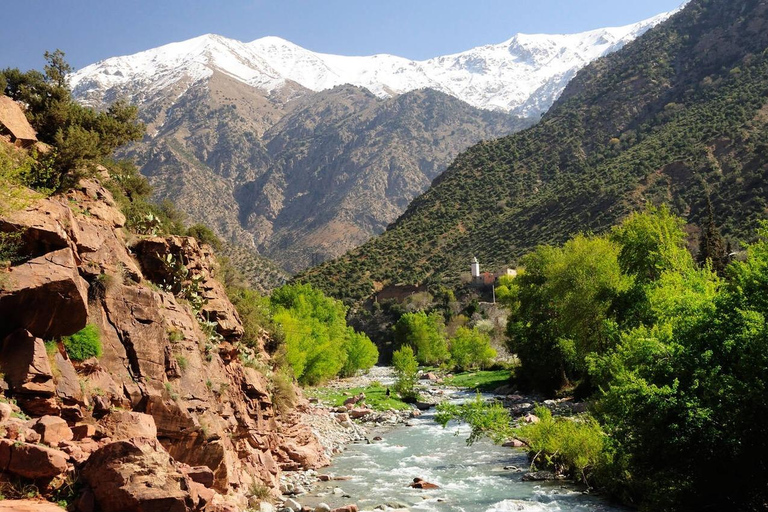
(570, 445)
(283, 392)
(83, 344)
(204, 235)
(486, 419)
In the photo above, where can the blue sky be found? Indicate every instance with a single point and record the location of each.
(91, 30)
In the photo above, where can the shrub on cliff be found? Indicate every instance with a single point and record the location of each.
(81, 137)
(84, 343)
(204, 235)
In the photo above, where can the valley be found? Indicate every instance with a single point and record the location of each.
(250, 277)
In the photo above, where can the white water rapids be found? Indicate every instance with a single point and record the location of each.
(471, 478)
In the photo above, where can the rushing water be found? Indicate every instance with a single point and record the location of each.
(471, 478)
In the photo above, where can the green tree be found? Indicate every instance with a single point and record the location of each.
(651, 242)
(318, 344)
(564, 300)
(426, 334)
(471, 349)
(362, 354)
(80, 136)
(406, 371)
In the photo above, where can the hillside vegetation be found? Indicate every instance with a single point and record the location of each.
(676, 117)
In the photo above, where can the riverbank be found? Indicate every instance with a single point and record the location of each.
(377, 456)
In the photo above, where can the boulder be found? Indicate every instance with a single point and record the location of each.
(137, 475)
(67, 383)
(199, 262)
(127, 424)
(25, 363)
(53, 430)
(31, 461)
(531, 418)
(292, 504)
(541, 476)
(514, 443)
(28, 506)
(83, 431)
(5, 412)
(420, 483)
(46, 296)
(359, 413)
(43, 225)
(205, 496)
(200, 474)
(265, 506)
(347, 508)
(219, 309)
(134, 316)
(171, 419)
(428, 376)
(354, 400)
(323, 507)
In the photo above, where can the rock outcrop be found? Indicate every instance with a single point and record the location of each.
(168, 417)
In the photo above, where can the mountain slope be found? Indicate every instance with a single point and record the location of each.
(324, 174)
(678, 114)
(301, 156)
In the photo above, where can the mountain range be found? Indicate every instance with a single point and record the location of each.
(301, 156)
(677, 117)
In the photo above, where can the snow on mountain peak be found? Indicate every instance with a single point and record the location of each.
(523, 75)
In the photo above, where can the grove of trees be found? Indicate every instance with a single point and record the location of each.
(671, 356)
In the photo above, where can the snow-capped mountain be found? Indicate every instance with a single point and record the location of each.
(303, 155)
(522, 76)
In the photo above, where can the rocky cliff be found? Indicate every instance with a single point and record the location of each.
(175, 414)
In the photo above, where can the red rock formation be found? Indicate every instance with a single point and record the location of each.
(206, 419)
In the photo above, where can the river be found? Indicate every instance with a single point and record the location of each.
(471, 478)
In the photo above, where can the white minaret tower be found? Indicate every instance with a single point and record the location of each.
(475, 268)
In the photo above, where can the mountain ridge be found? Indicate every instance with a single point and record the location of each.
(479, 76)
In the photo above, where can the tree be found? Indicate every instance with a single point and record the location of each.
(80, 136)
(471, 349)
(362, 354)
(57, 69)
(651, 242)
(562, 309)
(426, 334)
(406, 370)
(318, 344)
(712, 247)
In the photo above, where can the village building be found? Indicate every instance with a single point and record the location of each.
(488, 278)
(14, 126)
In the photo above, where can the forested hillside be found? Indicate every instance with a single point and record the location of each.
(676, 117)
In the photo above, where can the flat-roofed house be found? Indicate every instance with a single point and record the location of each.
(14, 125)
